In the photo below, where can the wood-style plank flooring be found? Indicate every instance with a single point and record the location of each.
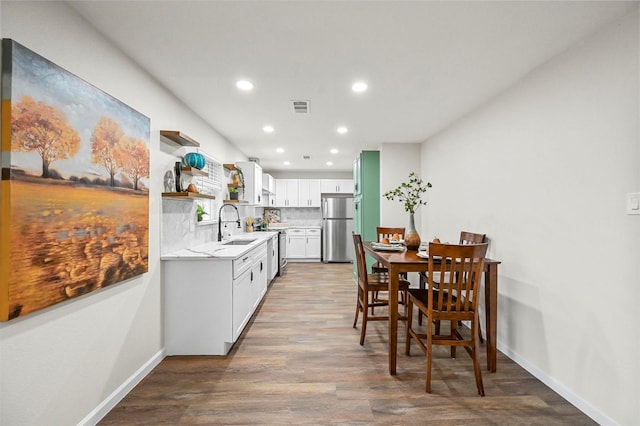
(299, 362)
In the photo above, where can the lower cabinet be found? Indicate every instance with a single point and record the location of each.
(208, 302)
(272, 258)
(303, 244)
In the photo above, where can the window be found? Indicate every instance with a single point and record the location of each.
(210, 185)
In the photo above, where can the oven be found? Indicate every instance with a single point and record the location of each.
(282, 251)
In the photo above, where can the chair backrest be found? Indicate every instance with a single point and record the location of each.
(387, 232)
(472, 238)
(361, 261)
(460, 270)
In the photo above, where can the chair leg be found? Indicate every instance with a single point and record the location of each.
(365, 317)
(452, 333)
(355, 321)
(422, 287)
(476, 357)
(429, 355)
(409, 311)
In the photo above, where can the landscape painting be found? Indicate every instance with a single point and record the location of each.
(74, 214)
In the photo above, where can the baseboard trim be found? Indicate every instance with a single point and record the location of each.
(117, 395)
(580, 403)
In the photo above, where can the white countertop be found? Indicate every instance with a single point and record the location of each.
(215, 250)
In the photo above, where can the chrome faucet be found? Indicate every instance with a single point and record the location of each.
(220, 219)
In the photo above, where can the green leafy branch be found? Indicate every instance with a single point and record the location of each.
(409, 193)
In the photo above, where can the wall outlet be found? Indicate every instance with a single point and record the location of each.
(633, 203)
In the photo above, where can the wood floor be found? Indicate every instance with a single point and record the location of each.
(299, 362)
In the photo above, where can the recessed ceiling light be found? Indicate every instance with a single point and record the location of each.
(334, 150)
(244, 85)
(268, 129)
(280, 150)
(359, 86)
(329, 163)
(286, 163)
(342, 130)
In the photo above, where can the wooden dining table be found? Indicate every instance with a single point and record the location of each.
(409, 261)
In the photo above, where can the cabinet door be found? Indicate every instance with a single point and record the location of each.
(296, 243)
(339, 186)
(258, 281)
(252, 173)
(287, 193)
(272, 253)
(345, 186)
(313, 245)
(309, 193)
(242, 302)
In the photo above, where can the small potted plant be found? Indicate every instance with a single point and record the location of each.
(233, 193)
(200, 212)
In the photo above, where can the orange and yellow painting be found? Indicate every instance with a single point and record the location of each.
(74, 213)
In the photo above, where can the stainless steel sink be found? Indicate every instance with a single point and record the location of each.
(238, 242)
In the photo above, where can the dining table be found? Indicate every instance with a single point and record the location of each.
(409, 261)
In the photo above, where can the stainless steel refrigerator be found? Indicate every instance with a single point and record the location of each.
(337, 228)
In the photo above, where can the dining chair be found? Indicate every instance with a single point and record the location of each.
(455, 299)
(368, 285)
(383, 232)
(466, 237)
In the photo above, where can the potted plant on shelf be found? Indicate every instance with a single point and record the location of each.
(410, 193)
(233, 193)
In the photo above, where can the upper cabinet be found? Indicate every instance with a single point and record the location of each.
(268, 184)
(286, 193)
(252, 173)
(340, 186)
(309, 193)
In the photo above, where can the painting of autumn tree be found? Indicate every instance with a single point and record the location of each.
(74, 189)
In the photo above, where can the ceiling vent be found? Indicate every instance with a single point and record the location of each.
(301, 107)
(306, 157)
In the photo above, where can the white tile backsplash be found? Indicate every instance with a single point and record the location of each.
(181, 230)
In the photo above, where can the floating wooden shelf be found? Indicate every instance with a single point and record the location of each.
(193, 171)
(230, 185)
(178, 138)
(186, 195)
(230, 166)
(236, 201)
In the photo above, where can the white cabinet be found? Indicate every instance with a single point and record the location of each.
(309, 193)
(286, 193)
(268, 183)
(340, 186)
(268, 190)
(296, 243)
(252, 173)
(272, 258)
(303, 244)
(208, 302)
(313, 244)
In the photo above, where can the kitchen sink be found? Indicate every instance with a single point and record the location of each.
(238, 242)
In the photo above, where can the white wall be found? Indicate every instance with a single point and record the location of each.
(397, 160)
(60, 364)
(544, 170)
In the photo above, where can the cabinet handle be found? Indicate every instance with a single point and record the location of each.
(260, 266)
(251, 276)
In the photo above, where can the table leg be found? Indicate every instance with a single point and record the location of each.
(491, 312)
(393, 317)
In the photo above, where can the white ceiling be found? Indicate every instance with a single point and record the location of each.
(427, 63)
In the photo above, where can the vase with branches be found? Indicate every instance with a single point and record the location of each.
(410, 194)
